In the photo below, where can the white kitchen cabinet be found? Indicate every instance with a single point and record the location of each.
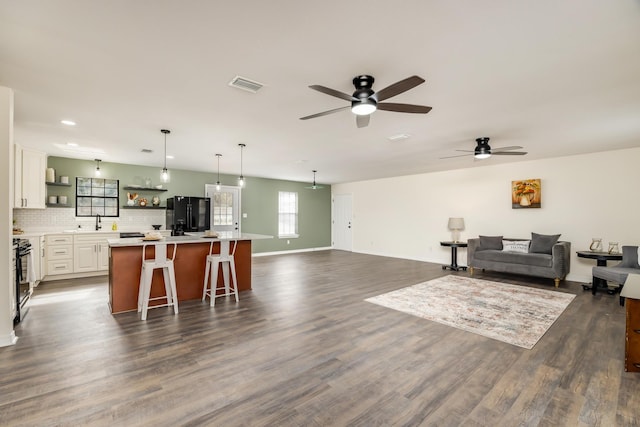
(29, 178)
(59, 254)
(91, 252)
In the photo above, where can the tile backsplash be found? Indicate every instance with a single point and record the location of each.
(56, 219)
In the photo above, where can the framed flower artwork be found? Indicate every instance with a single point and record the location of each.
(526, 193)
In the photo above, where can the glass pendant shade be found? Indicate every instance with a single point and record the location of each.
(98, 172)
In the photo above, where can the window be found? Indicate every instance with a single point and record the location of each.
(287, 214)
(97, 196)
(222, 208)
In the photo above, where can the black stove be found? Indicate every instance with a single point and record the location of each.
(24, 283)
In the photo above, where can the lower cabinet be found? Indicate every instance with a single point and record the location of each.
(59, 254)
(91, 253)
(71, 253)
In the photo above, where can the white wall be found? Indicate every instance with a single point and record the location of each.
(584, 196)
(7, 336)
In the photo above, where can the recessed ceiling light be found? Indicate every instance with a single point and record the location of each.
(68, 122)
(72, 144)
(399, 137)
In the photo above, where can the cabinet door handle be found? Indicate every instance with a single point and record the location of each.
(637, 331)
(637, 365)
(59, 252)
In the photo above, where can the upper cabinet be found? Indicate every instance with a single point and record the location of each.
(30, 166)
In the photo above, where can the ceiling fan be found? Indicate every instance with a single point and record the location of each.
(484, 151)
(314, 186)
(365, 100)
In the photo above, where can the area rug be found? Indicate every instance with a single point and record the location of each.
(514, 314)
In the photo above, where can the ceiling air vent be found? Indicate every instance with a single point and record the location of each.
(146, 150)
(245, 84)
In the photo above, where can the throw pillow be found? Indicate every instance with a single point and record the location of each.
(542, 244)
(491, 242)
(521, 246)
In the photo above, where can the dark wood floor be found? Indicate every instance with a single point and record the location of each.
(304, 349)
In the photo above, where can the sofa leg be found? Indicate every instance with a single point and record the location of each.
(557, 282)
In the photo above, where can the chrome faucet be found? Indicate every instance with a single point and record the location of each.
(98, 222)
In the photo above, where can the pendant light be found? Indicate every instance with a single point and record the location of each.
(164, 176)
(241, 178)
(98, 173)
(218, 186)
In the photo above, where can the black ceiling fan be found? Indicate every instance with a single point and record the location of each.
(484, 151)
(365, 100)
(314, 186)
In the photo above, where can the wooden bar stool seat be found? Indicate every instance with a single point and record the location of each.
(226, 258)
(146, 277)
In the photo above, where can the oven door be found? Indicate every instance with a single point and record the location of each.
(25, 280)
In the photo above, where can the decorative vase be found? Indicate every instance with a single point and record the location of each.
(524, 201)
(613, 248)
(596, 244)
(131, 202)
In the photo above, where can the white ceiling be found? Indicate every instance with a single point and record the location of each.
(556, 77)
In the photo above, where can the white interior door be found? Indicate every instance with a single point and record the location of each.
(342, 219)
(225, 207)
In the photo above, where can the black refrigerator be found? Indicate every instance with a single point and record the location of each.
(185, 214)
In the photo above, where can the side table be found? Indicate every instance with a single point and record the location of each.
(454, 255)
(601, 260)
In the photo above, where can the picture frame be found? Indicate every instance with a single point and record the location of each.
(526, 194)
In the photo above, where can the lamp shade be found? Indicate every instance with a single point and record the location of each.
(456, 224)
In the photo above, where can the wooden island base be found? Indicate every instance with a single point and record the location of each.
(125, 264)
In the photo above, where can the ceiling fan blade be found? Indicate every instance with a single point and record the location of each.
(333, 92)
(324, 113)
(315, 187)
(403, 108)
(513, 147)
(509, 153)
(466, 151)
(363, 121)
(399, 87)
(458, 155)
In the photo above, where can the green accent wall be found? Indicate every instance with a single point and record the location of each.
(259, 198)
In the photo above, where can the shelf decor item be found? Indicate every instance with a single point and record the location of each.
(596, 244)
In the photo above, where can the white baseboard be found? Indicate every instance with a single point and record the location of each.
(8, 340)
(295, 251)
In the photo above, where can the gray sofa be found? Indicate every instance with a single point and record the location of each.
(552, 262)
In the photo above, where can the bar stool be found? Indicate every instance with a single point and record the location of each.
(146, 277)
(226, 258)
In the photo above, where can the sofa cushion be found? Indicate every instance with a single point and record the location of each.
(493, 255)
(521, 246)
(490, 242)
(542, 243)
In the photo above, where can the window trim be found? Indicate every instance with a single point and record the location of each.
(116, 197)
(296, 214)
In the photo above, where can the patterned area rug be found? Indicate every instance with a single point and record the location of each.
(515, 314)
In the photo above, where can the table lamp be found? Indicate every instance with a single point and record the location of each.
(455, 225)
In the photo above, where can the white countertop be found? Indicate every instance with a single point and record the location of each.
(187, 238)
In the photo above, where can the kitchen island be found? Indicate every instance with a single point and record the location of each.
(125, 264)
